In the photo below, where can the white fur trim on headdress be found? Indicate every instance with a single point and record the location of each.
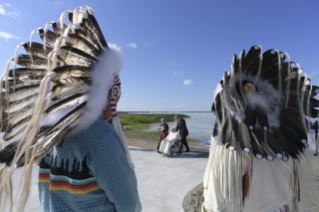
(110, 63)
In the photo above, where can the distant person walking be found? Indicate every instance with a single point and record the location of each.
(315, 126)
(164, 131)
(182, 129)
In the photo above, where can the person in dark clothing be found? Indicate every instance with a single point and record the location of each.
(315, 128)
(183, 131)
(164, 131)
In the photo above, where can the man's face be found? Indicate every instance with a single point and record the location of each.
(176, 118)
(162, 121)
(173, 130)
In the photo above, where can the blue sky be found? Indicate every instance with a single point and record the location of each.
(166, 42)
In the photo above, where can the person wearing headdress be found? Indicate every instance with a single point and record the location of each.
(259, 158)
(58, 110)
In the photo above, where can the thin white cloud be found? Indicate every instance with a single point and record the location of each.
(132, 45)
(179, 106)
(188, 82)
(3, 11)
(12, 14)
(58, 3)
(178, 73)
(8, 36)
(313, 74)
(145, 44)
(172, 64)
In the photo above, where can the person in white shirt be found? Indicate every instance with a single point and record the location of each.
(166, 143)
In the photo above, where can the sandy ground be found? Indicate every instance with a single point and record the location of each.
(163, 182)
(192, 200)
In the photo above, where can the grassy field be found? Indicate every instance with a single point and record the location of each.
(140, 122)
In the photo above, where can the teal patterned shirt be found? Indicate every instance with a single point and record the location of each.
(88, 171)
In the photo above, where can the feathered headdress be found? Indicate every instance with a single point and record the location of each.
(60, 87)
(264, 105)
(263, 108)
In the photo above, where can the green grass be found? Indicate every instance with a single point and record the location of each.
(140, 122)
(190, 139)
(157, 133)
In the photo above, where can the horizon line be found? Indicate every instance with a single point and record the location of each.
(153, 111)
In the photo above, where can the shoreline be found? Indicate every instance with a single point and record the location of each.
(149, 141)
(150, 123)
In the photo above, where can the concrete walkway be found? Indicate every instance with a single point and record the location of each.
(162, 182)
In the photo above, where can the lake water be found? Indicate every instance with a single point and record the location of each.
(200, 125)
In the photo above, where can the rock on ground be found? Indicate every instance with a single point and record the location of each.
(194, 199)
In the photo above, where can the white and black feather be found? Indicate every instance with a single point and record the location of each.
(263, 106)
